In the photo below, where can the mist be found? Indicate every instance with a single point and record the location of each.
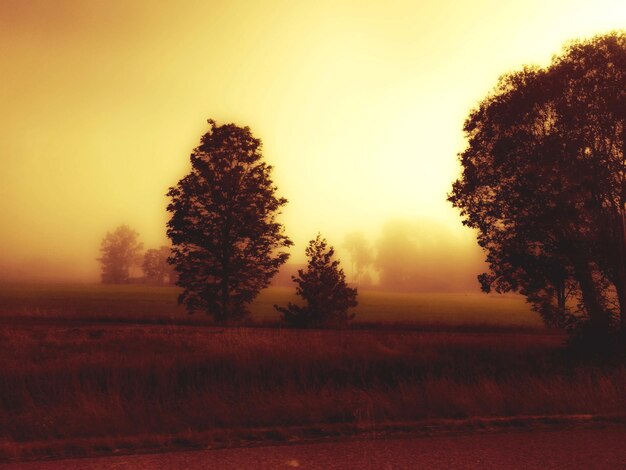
(359, 115)
(406, 255)
(426, 256)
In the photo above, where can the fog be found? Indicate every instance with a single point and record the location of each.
(423, 256)
(403, 255)
(360, 106)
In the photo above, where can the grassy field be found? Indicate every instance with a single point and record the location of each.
(80, 385)
(139, 303)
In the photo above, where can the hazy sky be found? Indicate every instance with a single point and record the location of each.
(359, 104)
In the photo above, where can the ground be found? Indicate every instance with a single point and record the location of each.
(90, 369)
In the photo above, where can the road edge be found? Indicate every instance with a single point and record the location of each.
(11, 452)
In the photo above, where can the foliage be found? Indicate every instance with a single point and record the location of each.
(225, 238)
(156, 267)
(322, 285)
(120, 251)
(544, 182)
(116, 384)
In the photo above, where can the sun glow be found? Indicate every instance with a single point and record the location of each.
(360, 107)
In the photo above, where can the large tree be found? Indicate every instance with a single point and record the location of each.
(226, 240)
(323, 288)
(544, 182)
(120, 250)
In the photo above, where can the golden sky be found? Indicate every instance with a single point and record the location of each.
(360, 106)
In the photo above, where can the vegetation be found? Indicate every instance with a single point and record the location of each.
(156, 268)
(75, 355)
(144, 304)
(120, 251)
(322, 286)
(57, 381)
(225, 237)
(544, 182)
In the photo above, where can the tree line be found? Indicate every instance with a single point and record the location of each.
(543, 182)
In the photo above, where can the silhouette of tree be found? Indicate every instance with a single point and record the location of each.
(544, 182)
(225, 238)
(322, 286)
(156, 267)
(120, 251)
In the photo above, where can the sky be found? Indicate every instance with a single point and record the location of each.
(360, 106)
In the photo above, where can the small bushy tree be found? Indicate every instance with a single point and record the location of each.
(322, 286)
(120, 251)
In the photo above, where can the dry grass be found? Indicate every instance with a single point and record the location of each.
(88, 382)
(75, 381)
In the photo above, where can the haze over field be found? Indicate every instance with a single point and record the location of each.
(360, 106)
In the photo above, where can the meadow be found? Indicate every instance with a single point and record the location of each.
(152, 304)
(96, 382)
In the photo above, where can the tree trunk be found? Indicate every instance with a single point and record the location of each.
(620, 284)
(620, 280)
(225, 314)
(598, 316)
(560, 294)
(225, 311)
(620, 287)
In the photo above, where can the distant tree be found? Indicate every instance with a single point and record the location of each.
(322, 286)
(156, 267)
(226, 242)
(361, 255)
(120, 250)
(544, 182)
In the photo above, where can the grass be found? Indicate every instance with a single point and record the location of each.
(114, 383)
(139, 303)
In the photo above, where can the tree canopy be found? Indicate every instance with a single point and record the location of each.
(544, 183)
(120, 250)
(322, 286)
(226, 240)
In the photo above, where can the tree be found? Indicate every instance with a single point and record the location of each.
(120, 251)
(322, 286)
(156, 267)
(226, 241)
(544, 182)
(361, 255)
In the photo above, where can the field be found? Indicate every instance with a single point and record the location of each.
(146, 304)
(90, 369)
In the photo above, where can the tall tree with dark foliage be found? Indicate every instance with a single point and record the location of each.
(544, 182)
(226, 241)
(322, 286)
(120, 251)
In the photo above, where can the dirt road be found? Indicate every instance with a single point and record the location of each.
(559, 449)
